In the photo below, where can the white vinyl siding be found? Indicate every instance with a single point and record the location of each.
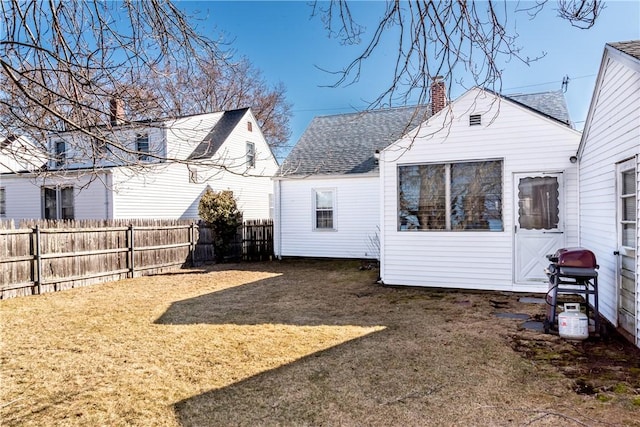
(526, 141)
(611, 136)
(160, 190)
(356, 199)
(166, 193)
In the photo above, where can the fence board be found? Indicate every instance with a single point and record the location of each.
(46, 256)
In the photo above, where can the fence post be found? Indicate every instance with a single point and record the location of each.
(131, 245)
(38, 279)
(192, 243)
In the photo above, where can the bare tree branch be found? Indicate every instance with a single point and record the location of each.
(63, 62)
(445, 38)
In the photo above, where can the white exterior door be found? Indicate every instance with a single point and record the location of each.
(626, 251)
(539, 218)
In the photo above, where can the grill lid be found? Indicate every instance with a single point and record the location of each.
(574, 257)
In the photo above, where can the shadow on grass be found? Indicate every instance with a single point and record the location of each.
(297, 296)
(360, 379)
(349, 378)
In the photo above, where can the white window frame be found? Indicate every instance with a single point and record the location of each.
(59, 189)
(334, 210)
(448, 227)
(61, 155)
(3, 202)
(140, 152)
(251, 154)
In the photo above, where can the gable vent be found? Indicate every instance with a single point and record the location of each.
(475, 120)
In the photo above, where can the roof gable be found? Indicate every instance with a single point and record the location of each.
(345, 143)
(454, 122)
(626, 53)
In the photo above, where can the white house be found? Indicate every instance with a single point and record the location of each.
(609, 185)
(479, 194)
(327, 189)
(155, 169)
(18, 154)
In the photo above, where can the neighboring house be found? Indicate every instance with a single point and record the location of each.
(610, 185)
(327, 189)
(478, 195)
(18, 154)
(86, 179)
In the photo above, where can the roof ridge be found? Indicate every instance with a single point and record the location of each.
(376, 110)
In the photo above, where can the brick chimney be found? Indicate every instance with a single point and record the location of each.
(116, 111)
(438, 95)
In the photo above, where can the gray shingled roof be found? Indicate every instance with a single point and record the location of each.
(346, 143)
(631, 47)
(218, 135)
(551, 104)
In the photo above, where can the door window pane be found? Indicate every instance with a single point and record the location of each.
(629, 182)
(538, 203)
(629, 235)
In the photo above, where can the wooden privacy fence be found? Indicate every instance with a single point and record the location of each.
(52, 256)
(257, 240)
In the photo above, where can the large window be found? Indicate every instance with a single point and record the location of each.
(324, 209)
(57, 203)
(450, 196)
(3, 202)
(142, 146)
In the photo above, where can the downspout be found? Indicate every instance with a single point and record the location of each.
(107, 191)
(381, 216)
(579, 200)
(278, 218)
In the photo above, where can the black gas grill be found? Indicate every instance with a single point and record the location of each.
(572, 271)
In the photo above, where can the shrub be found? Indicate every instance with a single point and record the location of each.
(220, 211)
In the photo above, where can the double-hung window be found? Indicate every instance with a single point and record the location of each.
(324, 209)
(251, 154)
(57, 203)
(3, 202)
(61, 153)
(450, 196)
(142, 146)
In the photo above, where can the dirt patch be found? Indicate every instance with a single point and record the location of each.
(606, 367)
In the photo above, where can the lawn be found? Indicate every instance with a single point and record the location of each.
(299, 343)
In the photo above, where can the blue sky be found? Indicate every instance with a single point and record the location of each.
(288, 46)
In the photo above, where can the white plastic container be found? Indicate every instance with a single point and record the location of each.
(572, 323)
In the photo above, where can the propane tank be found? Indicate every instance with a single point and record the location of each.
(572, 323)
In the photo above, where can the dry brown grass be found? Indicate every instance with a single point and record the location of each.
(286, 343)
